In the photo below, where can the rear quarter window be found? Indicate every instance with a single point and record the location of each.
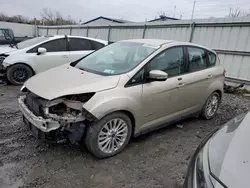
(211, 59)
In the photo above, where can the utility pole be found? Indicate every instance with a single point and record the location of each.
(193, 11)
(174, 10)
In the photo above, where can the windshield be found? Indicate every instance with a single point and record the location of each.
(117, 58)
(31, 42)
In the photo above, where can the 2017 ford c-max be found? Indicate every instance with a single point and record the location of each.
(123, 90)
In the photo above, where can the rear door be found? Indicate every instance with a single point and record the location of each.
(198, 78)
(79, 47)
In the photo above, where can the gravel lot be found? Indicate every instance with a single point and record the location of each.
(158, 159)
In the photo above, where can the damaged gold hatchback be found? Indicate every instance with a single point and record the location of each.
(123, 90)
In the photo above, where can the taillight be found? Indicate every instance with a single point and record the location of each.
(224, 73)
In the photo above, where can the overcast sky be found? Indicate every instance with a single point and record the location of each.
(134, 10)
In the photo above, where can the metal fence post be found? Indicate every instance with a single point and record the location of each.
(192, 32)
(57, 31)
(144, 31)
(87, 33)
(70, 31)
(47, 31)
(37, 31)
(109, 32)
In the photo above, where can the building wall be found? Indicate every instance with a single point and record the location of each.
(20, 30)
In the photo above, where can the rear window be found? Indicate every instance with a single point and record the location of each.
(77, 44)
(97, 45)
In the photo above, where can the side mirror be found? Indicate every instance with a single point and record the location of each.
(157, 75)
(41, 51)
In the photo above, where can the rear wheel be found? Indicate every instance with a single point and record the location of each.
(18, 74)
(108, 136)
(211, 106)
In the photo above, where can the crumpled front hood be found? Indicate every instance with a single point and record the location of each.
(6, 49)
(67, 80)
(229, 153)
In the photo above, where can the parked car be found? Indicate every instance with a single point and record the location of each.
(122, 90)
(222, 159)
(36, 55)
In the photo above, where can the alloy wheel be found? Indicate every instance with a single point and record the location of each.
(113, 135)
(212, 105)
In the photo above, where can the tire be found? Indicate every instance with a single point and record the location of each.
(205, 110)
(95, 135)
(18, 74)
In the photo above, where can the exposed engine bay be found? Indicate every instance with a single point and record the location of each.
(67, 112)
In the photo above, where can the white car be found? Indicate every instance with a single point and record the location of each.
(42, 53)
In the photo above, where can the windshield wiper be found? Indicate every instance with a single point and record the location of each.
(12, 46)
(82, 69)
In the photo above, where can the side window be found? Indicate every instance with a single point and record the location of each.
(197, 59)
(58, 45)
(77, 44)
(97, 45)
(171, 61)
(211, 58)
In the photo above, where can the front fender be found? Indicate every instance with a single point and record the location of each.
(109, 105)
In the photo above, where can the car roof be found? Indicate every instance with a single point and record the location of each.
(153, 42)
(72, 36)
(170, 43)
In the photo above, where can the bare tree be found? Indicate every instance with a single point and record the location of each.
(15, 18)
(238, 12)
(51, 18)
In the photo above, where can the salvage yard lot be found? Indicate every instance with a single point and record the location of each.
(158, 159)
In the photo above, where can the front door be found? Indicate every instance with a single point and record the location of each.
(57, 54)
(163, 100)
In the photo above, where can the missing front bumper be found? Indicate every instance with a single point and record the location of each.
(45, 125)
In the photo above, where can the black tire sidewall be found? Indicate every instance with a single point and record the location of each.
(204, 110)
(93, 130)
(12, 68)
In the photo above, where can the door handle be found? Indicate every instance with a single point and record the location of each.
(65, 56)
(209, 76)
(181, 84)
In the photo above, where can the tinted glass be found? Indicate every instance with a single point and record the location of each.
(211, 58)
(57, 45)
(171, 62)
(116, 58)
(197, 59)
(97, 45)
(76, 44)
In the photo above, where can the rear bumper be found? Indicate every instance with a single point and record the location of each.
(45, 125)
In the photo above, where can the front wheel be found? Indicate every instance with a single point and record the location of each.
(108, 136)
(211, 106)
(18, 74)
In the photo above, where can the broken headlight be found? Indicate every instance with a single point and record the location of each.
(2, 58)
(71, 105)
(82, 97)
